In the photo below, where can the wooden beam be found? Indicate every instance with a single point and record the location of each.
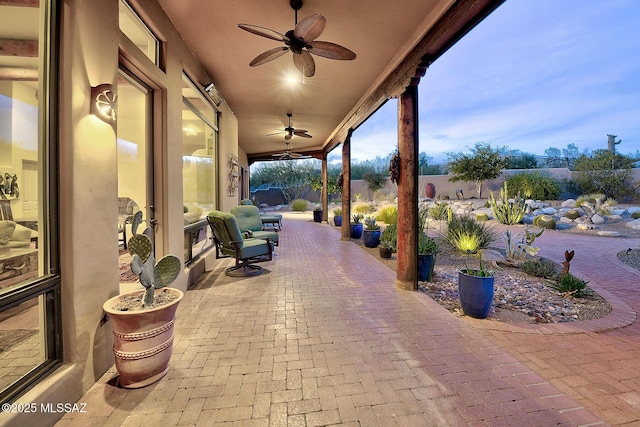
(456, 22)
(20, 3)
(407, 268)
(19, 74)
(22, 48)
(346, 187)
(325, 190)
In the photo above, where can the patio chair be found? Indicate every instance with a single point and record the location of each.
(230, 242)
(250, 221)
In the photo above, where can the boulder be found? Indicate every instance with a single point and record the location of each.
(549, 211)
(569, 203)
(597, 219)
(635, 224)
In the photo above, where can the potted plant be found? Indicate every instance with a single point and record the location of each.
(356, 226)
(388, 241)
(317, 214)
(337, 217)
(143, 320)
(371, 232)
(475, 287)
(427, 249)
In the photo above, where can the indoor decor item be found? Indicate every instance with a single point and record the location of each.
(337, 217)
(143, 320)
(475, 287)
(356, 226)
(371, 232)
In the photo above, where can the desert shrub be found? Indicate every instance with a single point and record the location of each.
(389, 237)
(571, 285)
(388, 214)
(635, 215)
(299, 205)
(607, 173)
(439, 211)
(466, 234)
(534, 185)
(540, 268)
(507, 211)
(363, 208)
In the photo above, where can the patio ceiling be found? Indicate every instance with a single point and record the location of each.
(387, 36)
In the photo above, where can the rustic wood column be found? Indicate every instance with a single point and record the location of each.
(407, 270)
(346, 187)
(325, 194)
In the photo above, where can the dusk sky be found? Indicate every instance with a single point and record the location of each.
(534, 74)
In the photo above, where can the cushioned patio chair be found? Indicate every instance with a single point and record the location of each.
(272, 220)
(230, 242)
(250, 222)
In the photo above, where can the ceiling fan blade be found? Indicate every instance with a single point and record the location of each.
(264, 32)
(330, 50)
(305, 63)
(302, 134)
(310, 27)
(268, 56)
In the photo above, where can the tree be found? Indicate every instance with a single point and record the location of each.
(484, 163)
(607, 173)
(520, 160)
(290, 175)
(375, 180)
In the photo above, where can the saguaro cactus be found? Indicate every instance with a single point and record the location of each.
(152, 275)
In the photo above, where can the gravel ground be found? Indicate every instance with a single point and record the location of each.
(518, 297)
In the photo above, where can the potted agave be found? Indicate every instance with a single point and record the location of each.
(475, 287)
(143, 320)
(371, 233)
(356, 226)
(427, 249)
(337, 217)
(388, 241)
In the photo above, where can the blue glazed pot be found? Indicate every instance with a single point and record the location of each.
(426, 263)
(356, 230)
(476, 294)
(371, 238)
(337, 220)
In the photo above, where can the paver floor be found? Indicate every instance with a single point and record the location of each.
(324, 337)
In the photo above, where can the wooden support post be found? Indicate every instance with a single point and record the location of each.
(407, 271)
(325, 193)
(346, 187)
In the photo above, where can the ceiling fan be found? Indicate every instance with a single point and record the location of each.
(301, 41)
(289, 131)
(289, 155)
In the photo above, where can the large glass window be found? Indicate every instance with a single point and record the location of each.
(199, 151)
(29, 289)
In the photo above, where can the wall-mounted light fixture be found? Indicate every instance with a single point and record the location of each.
(211, 89)
(104, 102)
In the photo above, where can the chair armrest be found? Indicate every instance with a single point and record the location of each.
(247, 234)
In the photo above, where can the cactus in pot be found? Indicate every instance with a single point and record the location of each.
(153, 275)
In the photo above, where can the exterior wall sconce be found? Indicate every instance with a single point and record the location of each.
(104, 102)
(211, 89)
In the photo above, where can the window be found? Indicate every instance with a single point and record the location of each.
(199, 153)
(136, 30)
(29, 283)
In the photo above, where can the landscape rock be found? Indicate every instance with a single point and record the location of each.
(597, 219)
(607, 233)
(549, 211)
(635, 224)
(569, 203)
(633, 209)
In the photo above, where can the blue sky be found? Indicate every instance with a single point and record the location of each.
(534, 74)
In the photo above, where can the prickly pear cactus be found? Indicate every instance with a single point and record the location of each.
(152, 275)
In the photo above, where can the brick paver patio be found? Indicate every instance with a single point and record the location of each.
(324, 337)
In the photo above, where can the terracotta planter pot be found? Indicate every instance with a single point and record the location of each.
(142, 340)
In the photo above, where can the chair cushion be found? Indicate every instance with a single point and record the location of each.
(253, 247)
(260, 234)
(230, 231)
(248, 217)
